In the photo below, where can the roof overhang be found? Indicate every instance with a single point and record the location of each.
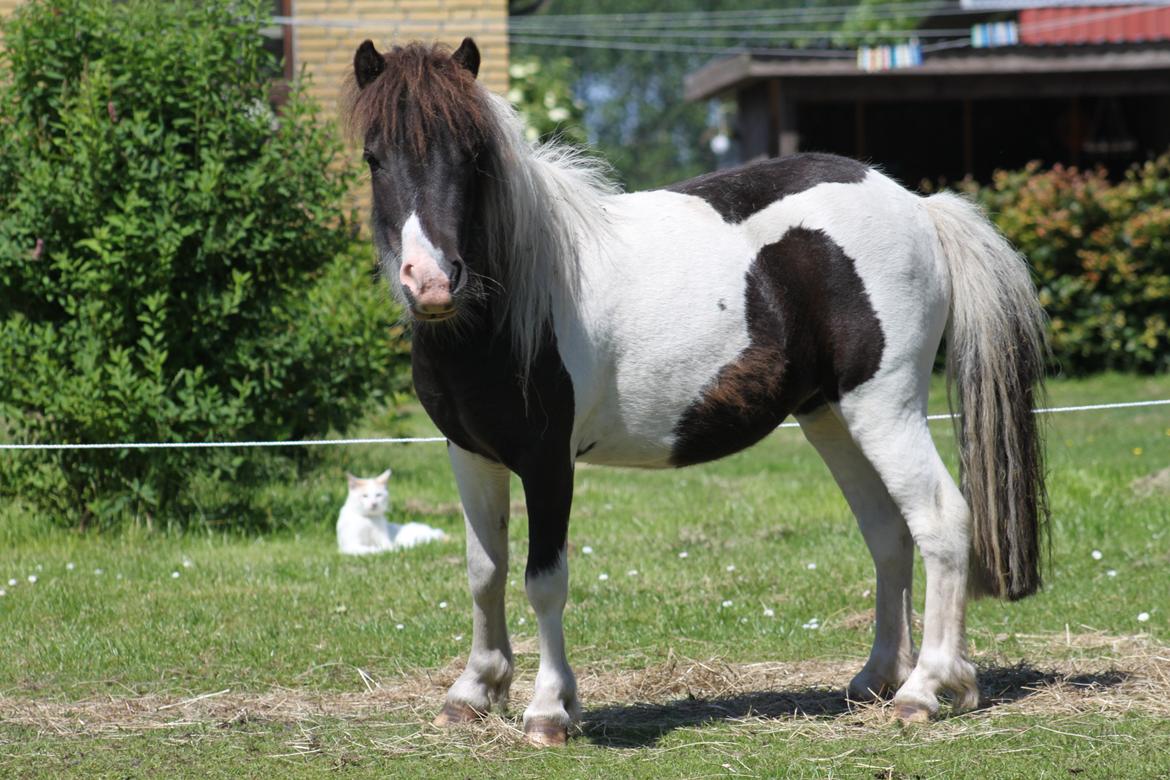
(1141, 68)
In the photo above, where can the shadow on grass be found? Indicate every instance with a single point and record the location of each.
(643, 725)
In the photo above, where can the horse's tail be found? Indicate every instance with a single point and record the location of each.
(996, 352)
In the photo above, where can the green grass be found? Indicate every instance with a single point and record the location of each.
(284, 612)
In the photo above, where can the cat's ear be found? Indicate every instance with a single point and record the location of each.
(383, 478)
(353, 481)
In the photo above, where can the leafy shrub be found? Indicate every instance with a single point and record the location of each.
(1101, 254)
(174, 257)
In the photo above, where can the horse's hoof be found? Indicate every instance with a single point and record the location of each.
(546, 733)
(911, 713)
(455, 714)
(868, 695)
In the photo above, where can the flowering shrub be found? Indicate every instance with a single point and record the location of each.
(1101, 254)
(540, 91)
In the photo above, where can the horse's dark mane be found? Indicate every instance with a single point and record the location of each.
(422, 95)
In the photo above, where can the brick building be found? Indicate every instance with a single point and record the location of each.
(326, 33)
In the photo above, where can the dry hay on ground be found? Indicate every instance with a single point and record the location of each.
(1156, 483)
(1095, 674)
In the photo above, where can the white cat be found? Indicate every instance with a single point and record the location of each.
(362, 528)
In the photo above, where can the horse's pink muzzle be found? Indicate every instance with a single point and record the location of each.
(429, 290)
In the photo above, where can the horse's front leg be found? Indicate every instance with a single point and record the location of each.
(483, 489)
(548, 492)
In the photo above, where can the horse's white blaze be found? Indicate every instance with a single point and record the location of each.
(421, 269)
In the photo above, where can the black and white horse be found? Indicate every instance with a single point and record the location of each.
(557, 320)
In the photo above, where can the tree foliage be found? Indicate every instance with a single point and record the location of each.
(172, 256)
(636, 115)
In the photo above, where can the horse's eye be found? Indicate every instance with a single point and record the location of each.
(371, 160)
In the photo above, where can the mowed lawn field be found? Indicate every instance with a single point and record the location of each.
(715, 615)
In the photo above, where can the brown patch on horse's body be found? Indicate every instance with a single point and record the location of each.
(421, 93)
(814, 336)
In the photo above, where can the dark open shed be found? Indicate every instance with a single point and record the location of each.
(964, 111)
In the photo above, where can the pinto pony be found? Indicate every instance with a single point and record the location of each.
(557, 320)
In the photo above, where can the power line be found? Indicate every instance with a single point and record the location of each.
(757, 34)
(679, 48)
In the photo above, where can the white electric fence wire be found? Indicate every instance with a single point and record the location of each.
(430, 439)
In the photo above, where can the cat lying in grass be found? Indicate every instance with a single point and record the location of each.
(362, 528)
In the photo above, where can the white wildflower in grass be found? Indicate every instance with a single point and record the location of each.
(3, 592)
(587, 550)
(727, 603)
(69, 566)
(40, 567)
(32, 579)
(731, 567)
(442, 605)
(603, 576)
(743, 620)
(632, 573)
(187, 562)
(400, 626)
(865, 593)
(522, 621)
(459, 637)
(1111, 573)
(98, 572)
(174, 575)
(811, 566)
(1097, 555)
(682, 554)
(118, 577)
(813, 624)
(12, 583)
(1143, 617)
(769, 612)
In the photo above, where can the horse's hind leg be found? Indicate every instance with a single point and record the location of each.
(886, 417)
(892, 657)
(483, 489)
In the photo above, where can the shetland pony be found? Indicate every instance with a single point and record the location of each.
(557, 319)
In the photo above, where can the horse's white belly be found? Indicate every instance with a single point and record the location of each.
(661, 318)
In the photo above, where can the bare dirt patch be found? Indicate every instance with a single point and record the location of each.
(636, 707)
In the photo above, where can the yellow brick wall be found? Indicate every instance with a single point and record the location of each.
(327, 53)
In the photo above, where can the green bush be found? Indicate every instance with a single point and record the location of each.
(1101, 253)
(175, 258)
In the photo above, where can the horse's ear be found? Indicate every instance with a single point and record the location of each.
(467, 55)
(368, 64)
